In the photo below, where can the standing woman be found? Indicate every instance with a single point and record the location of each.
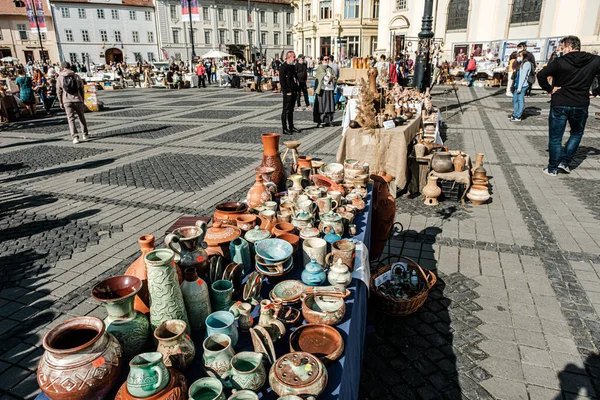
(26, 91)
(520, 86)
(324, 107)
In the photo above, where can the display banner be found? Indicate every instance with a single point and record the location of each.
(195, 10)
(185, 8)
(39, 10)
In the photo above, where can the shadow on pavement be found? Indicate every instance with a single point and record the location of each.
(60, 170)
(576, 381)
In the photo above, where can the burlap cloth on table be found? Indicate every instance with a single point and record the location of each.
(458, 177)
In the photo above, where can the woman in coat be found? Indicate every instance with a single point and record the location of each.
(324, 107)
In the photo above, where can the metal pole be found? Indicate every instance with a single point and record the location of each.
(423, 67)
(191, 30)
(38, 29)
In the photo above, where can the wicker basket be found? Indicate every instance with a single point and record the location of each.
(401, 307)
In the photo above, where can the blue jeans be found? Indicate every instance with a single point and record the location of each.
(557, 123)
(518, 101)
(469, 77)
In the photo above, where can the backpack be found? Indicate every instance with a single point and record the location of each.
(71, 85)
(531, 77)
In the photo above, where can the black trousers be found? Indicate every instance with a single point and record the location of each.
(287, 114)
(209, 76)
(202, 81)
(304, 90)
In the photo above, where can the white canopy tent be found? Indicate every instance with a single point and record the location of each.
(9, 59)
(216, 54)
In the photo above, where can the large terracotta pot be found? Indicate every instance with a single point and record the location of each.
(81, 362)
(384, 210)
(271, 158)
(442, 162)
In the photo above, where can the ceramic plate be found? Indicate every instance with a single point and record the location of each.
(288, 291)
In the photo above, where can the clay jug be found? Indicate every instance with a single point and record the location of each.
(259, 193)
(196, 298)
(271, 158)
(247, 371)
(217, 355)
(384, 210)
(459, 163)
(81, 362)
(420, 150)
(186, 242)
(174, 344)
(431, 191)
(148, 375)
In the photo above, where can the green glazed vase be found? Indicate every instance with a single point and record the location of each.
(129, 327)
(166, 300)
(148, 375)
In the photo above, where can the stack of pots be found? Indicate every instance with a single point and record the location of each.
(479, 193)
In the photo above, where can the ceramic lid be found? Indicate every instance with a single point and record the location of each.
(256, 234)
(219, 233)
(309, 232)
(298, 369)
(332, 237)
(331, 216)
(313, 266)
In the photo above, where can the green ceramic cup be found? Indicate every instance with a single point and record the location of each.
(207, 389)
(222, 295)
(148, 375)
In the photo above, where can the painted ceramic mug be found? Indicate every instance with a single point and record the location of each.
(314, 248)
(344, 250)
(222, 322)
(326, 204)
(222, 295)
(148, 375)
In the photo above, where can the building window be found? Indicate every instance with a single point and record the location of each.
(249, 15)
(73, 58)
(151, 57)
(373, 44)
(136, 36)
(205, 14)
(308, 46)
(84, 56)
(207, 35)
(132, 15)
(150, 37)
(376, 9)
(288, 39)
(173, 11)
(276, 38)
(138, 57)
(263, 38)
(81, 13)
(221, 36)
(23, 32)
(325, 9)
(308, 13)
(236, 37)
(250, 37)
(69, 35)
(351, 9)
(118, 36)
(275, 17)
(401, 4)
(526, 11)
(65, 13)
(85, 35)
(148, 15)
(220, 14)
(114, 14)
(458, 14)
(325, 46)
(288, 18)
(100, 14)
(263, 17)
(103, 36)
(352, 46)
(176, 36)
(235, 16)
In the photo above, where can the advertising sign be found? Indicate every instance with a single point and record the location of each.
(39, 10)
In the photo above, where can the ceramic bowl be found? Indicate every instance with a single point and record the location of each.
(320, 340)
(283, 227)
(273, 251)
(319, 309)
(274, 269)
(333, 171)
(292, 239)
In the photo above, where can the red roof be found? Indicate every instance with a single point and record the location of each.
(7, 7)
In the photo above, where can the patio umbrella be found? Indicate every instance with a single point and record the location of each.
(216, 54)
(9, 59)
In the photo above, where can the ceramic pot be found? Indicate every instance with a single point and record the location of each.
(293, 195)
(271, 158)
(296, 180)
(218, 238)
(246, 222)
(459, 163)
(217, 355)
(222, 295)
(186, 242)
(309, 232)
(478, 194)
(247, 371)
(222, 322)
(130, 328)
(174, 344)
(331, 222)
(239, 250)
(431, 191)
(313, 274)
(176, 389)
(242, 312)
(305, 172)
(478, 161)
(196, 298)
(207, 389)
(166, 300)
(148, 375)
(323, 341)
(288, 375)
(314, 248)
(257, 234)
(81, 361)
(326, 204)
(420, 150)
(226, 213)
(442, 162)
(259, 193)
(266, 173)
(302, 219)
(343, 250)
(320, 309)
(281, 228)
(339, 273)
(268, 320)
(303, 162)
(333, 171)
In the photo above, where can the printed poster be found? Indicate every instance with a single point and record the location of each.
(186, 5)
(534, 46)
(39, 10)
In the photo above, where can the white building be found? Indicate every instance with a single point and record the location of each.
(105, 30)
(495, 24)
(226, 25)
(320, 23)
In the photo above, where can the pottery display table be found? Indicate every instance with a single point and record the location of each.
(385, 150)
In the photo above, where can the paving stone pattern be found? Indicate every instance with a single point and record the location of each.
(514, 314)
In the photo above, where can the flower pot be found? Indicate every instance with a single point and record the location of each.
(271, 158)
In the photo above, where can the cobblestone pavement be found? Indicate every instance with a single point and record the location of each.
(515, 311)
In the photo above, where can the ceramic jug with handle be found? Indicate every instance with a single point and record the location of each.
(186, 242)
(148, 375)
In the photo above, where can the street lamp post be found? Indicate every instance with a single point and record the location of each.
(189, 5)
(423, 66)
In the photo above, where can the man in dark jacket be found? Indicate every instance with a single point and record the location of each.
(302, 77)
(257, 71)
(289, 88)
(572, 75)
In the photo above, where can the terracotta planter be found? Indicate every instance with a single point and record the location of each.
(271, 158)
(81, 362)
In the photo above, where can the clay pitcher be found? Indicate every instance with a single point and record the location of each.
(174, 344)
(384, 210)
(259, 193)
(271, 158)
(217, 355)
(186, 242)
(148, 375)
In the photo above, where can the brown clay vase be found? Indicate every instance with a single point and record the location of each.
(384, 210)
(271, 158)
(81, 362)
(259, 193)
(177, 389)
(459, 163)
(138, 269)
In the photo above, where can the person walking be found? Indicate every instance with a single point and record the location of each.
(521, 83)
(289, 88)
(208, 68)
(572, 75)
(201, 72)
(69, 90)
(324, 107)
(26, 94)
(470, 69)
(310, 64)
(257, 70)
(302, 77)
